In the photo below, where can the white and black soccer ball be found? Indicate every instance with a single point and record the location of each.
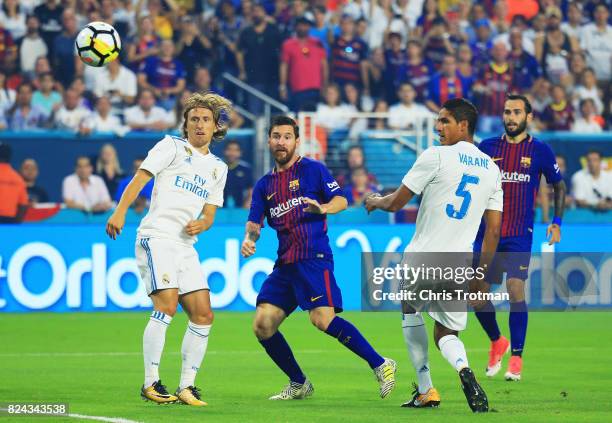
(98, 44)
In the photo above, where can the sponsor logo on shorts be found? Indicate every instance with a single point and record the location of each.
(313, 299)
(166, 279)
(523, 267)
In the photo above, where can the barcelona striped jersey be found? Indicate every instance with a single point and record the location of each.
(521, 167)
(279, 197)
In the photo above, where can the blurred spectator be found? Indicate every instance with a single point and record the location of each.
(164, 75)
(258, 56)
(85, 191)
(49, 16)
(118, 83)
(31, 47)
(593, 185)
(193, 49)
(7, 95)
(201, 81)
(537, 29)
(419, 70)
(428, 15)
(109, 168)
(303, 66)
(46, 98)
(492, 87)
(396, 66)
(587, 88)
(526, 8)
(24, 115)
(540, 96)
(144, 197)
(355, 158)
(13, 19)
(575, 20)
(12, 189)
(445, 85)
(227, 33)
(349, 56)
(333, 114)
(356, 102)
(65, 61)
(162, 22)
(596, 40)
(72, 116)
(437, 43)
(359, 187)
(407, 113)
(588, 122)
(29, 173)
(321, 29)
(559, 114)
(8, 50)
(553, 48)
(86, 98)
(483, 43)
(105, 122)
(145, 45)
(146, 116)
(239, 175)
(525, 67)
(467, 71)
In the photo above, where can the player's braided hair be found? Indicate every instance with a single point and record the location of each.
(220, 107)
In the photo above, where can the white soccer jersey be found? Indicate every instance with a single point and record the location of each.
(457, 183)
(185, 180)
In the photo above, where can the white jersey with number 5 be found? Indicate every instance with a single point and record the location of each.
(457, 183)
(185, 180)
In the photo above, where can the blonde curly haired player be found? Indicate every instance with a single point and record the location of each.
(189, 182)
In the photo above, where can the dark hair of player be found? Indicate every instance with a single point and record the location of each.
(461, 109)
(280, 120)
(528, 108)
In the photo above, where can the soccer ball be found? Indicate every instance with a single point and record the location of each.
(98, 44)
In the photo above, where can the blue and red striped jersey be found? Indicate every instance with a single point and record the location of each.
(346, 58)
(521, 166)
(278, 196)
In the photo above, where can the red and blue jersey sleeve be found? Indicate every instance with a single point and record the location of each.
(549, 166)
(328, 185)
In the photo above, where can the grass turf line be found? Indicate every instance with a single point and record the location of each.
(93, 362)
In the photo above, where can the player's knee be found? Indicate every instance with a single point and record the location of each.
(516, 294)
(203, 318)
(320, 321)
(169, 309)
(263, 328)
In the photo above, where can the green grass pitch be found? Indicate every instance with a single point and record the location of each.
(93, 362)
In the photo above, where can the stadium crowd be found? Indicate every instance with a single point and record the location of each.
(332, 57)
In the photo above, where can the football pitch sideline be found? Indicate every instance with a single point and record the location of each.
(93, 362)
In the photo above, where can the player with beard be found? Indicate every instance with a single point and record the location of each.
(295, 197)
(522, 160)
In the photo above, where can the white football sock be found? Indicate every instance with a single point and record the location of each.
(153, 345)
(453, 351)
(415, 336)
(193, 350)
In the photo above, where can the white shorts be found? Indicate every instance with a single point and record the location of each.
(167, 264)
(454, 320)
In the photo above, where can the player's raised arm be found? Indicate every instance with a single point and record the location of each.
(117, 220)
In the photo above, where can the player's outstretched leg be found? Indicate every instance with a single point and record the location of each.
(195, 342)
(453, 351)
(415, 335)
(268, 318)
(348, 335)
(153, 345)
(499, 343)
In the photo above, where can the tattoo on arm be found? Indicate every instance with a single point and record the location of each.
(559, 192)
(253, 230)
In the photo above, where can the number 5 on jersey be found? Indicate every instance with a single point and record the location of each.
(463, 192)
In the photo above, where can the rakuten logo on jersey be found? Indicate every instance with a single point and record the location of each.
(284, 208)
(515, 177)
